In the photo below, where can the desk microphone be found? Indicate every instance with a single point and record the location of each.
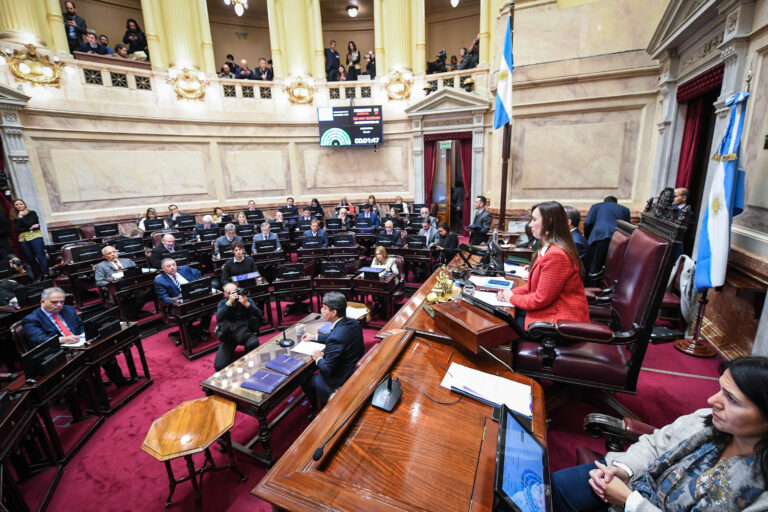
(286, 342)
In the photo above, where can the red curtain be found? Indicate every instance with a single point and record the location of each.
(465, 149)
(690, 147)
(430, 150)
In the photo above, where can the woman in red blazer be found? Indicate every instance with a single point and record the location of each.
(554, 290)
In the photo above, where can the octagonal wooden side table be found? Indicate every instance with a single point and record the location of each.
(189, 428)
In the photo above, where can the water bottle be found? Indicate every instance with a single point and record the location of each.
(495, 237)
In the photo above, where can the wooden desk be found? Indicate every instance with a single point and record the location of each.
(296, 289)
(120, 291)
(384, 288)
(226, 384)
(186, 312)
(422, 456)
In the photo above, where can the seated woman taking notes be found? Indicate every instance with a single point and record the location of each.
(554, 290)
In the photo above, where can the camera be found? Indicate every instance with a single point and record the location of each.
(15, 262)
(242, 292)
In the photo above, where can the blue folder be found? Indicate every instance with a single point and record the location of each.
(285, 364)
(265, 382)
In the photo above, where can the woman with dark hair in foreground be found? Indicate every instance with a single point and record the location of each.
(712, 460)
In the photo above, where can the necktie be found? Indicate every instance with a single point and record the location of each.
(63, 328)
(176, 280)
(118, 265)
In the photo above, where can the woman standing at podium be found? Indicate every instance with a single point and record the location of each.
(554, 290)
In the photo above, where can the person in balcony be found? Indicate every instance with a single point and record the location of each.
(91, 45)
(244, 72)
(263, 72)
(226, 72)
(353, 61)
(104, 41)
(74, 26)
(134, 37)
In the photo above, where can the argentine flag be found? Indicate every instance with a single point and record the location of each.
(726, 200)
(502, 114)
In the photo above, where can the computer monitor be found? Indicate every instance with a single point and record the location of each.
(61, 236)
(180, 257)
(29, 295)
(156, 224)
(245, 229)
(44, 358)
(104, 230)
(418, 206)
(521, 480)
(102, 324)
(290, 271)
(334, 224)
(345, 240)
(304, 225)
(397, 222)
(397, 206)
(129, 245)
(317, 211)
(186, 221)
(311, 242)
(496, 256)
(265, 245)
(196, 289)
(275, 226)
(385, 241)
(254, 217)
(225, 219)
(225, 251)
(85, 252)
(332, 269)
(363, 222)
(416, 242)
(208, 235)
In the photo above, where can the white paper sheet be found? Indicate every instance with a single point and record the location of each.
(308, 347)
(491, 388)
(516, 270)
(490, 298)
(356, 313)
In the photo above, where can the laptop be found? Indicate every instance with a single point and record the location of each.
(156, 224)
(29, 295)
(104, 230)
(416, 242)
(311, 242)
(290, 271)
(333, 224)
(208, 235)
(347, 240)
(265, 246)
(521, 481)
(185, 221)
(275, 226)
(61, 236)
(245, 229)
(85, 252)
(196, 289)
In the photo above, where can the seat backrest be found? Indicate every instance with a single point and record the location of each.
(19, 341)
(88, 232)
(66, 252)
(639, 277)
(400, 266)
(615, 256)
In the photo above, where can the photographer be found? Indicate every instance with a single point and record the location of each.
(21, 268)
(237, 323)
(438, 66)
(74, 25)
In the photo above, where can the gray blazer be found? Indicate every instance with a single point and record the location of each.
(432, 235)
(105, 269)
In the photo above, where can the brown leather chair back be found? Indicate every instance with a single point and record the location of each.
(157, 236)
(88, 232)
(400, 267)
(19, 341)
(613, 260)
(66, 252)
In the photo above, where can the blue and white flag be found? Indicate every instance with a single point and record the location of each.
(503, 112)
(726, 200)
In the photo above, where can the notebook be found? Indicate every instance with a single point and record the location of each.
(263, 381)
(285, 364)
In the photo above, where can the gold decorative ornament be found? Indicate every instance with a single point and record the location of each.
(300, 91)
(443, 289)
(33, 68)
(398, 87)
(188, 85)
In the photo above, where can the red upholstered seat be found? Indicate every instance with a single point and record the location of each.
(670, 300)
(584, 361)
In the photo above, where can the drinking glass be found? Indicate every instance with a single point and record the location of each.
(469, 289)
(505, 237)
(299, 330)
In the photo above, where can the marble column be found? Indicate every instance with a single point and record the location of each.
(487, 24)
(396, 23)
(295, 28)
(667, 124)
(181, 35)
(378, 39)
(153, 26)
(58, 35)
(318, 58)
(208, 62)
(274, 39)
(20, 21)
(419, 36)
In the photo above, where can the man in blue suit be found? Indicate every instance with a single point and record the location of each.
(368, 214)
(168, 289)
(343, 349)
(54, 318)
(228, 238)
(599, 227)
(574, 219)
(315, 231)
(264, 235)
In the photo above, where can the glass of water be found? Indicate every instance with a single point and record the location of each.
(505, 237)
(300, 330)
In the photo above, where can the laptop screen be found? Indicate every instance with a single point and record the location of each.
(521, 481)
(102, 230)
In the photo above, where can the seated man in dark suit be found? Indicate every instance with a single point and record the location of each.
(174, 215)
(290, 207)
(481, 224)
(207, 224)
(228, 238)
(92, 45)
(307, 215)
(346, 221)
(265, 234)
(392, 233)
(253, 210)
(168, 290)
(111, 270)
(428, 231)
(343, 349)
(237, 323)
(316, 231)
(574, 219)
(167, 245)
(368, 214)
(54, 318)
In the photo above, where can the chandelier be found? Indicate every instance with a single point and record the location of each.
(240, 5)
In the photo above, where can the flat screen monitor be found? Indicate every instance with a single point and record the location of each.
(350, 126)
(417, 242)
(180, 257)
(156, 224)
(196, 289)
(311, 242)
(304, 225)
(245, 229)
(363, 222)
(129, 245)
(186, 221)
(29, 295)
(333, 224)
(333, 269)
(345, 240)
(397, 206)
(265, 245)
(208, 235)
(43, 358)
(290, 271)
(317, 211)
(384, 241)
(275, 226)
(85, 252)
(225, 219)
(62, 236)
(418, 206)
(521, 479)
(104, 230)
(254, 217)
(225, 251)
(102, 324)
(398, 222)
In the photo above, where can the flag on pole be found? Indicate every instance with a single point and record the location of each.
(726, 200)
(503, 111)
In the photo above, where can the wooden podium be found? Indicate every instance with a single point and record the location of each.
(470, 326)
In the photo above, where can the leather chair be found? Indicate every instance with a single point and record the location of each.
(613, 261)
(619, 432)
(19, 341)
(78, 283)
(88, 232)
(607, 358)
(399, 292)
(157, 236)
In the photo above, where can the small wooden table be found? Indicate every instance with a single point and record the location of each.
(189, 428)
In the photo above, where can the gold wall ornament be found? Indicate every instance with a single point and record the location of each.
(187, 84)
(398, 87)
(300, 91)
(33, 68)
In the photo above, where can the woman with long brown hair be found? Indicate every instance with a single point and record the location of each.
(554, 290)
(27, 226)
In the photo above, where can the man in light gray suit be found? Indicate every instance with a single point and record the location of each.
(111, 269)
(428, 230)
(228, 238)
(264, 235)
(481, 223)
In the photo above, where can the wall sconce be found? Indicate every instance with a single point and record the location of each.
(33, 68)
(240, 5)
(398, 87)
(352, 11)
(468, 84)
(299, 90)
(187, 84)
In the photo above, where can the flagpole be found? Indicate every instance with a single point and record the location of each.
(506, 143)
(693, 346)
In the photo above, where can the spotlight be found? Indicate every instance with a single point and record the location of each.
(352, 11)
(454, 3)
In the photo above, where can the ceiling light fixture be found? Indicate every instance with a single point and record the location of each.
(240, 5)
(352, 11)
(454, 3)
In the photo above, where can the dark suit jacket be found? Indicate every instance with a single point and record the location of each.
(396, 237)
(80, 26)
(87, 48)
(165, 287)
(483, 221)
(449, 244)
(581, 243)
(258, 237)
(374, 218)
(267, 74)
(332, 63)
(601, 220)
(39, 328)
(320, 234)
(233, 268)
(156, 255)
(343, 349)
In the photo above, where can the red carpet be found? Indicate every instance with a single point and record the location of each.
(112, 473)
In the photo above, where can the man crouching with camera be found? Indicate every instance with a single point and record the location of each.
(237, 323)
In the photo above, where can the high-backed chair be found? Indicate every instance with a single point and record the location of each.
(88, 232)
(19, 341)
(613, 261)
(607, 358)
(399, 292)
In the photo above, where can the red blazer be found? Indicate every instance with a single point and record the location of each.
(554, 290)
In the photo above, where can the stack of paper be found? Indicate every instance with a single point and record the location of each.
(308, 347)
(356, 313)
(516, 270)
(489, 388)
(490, 299)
